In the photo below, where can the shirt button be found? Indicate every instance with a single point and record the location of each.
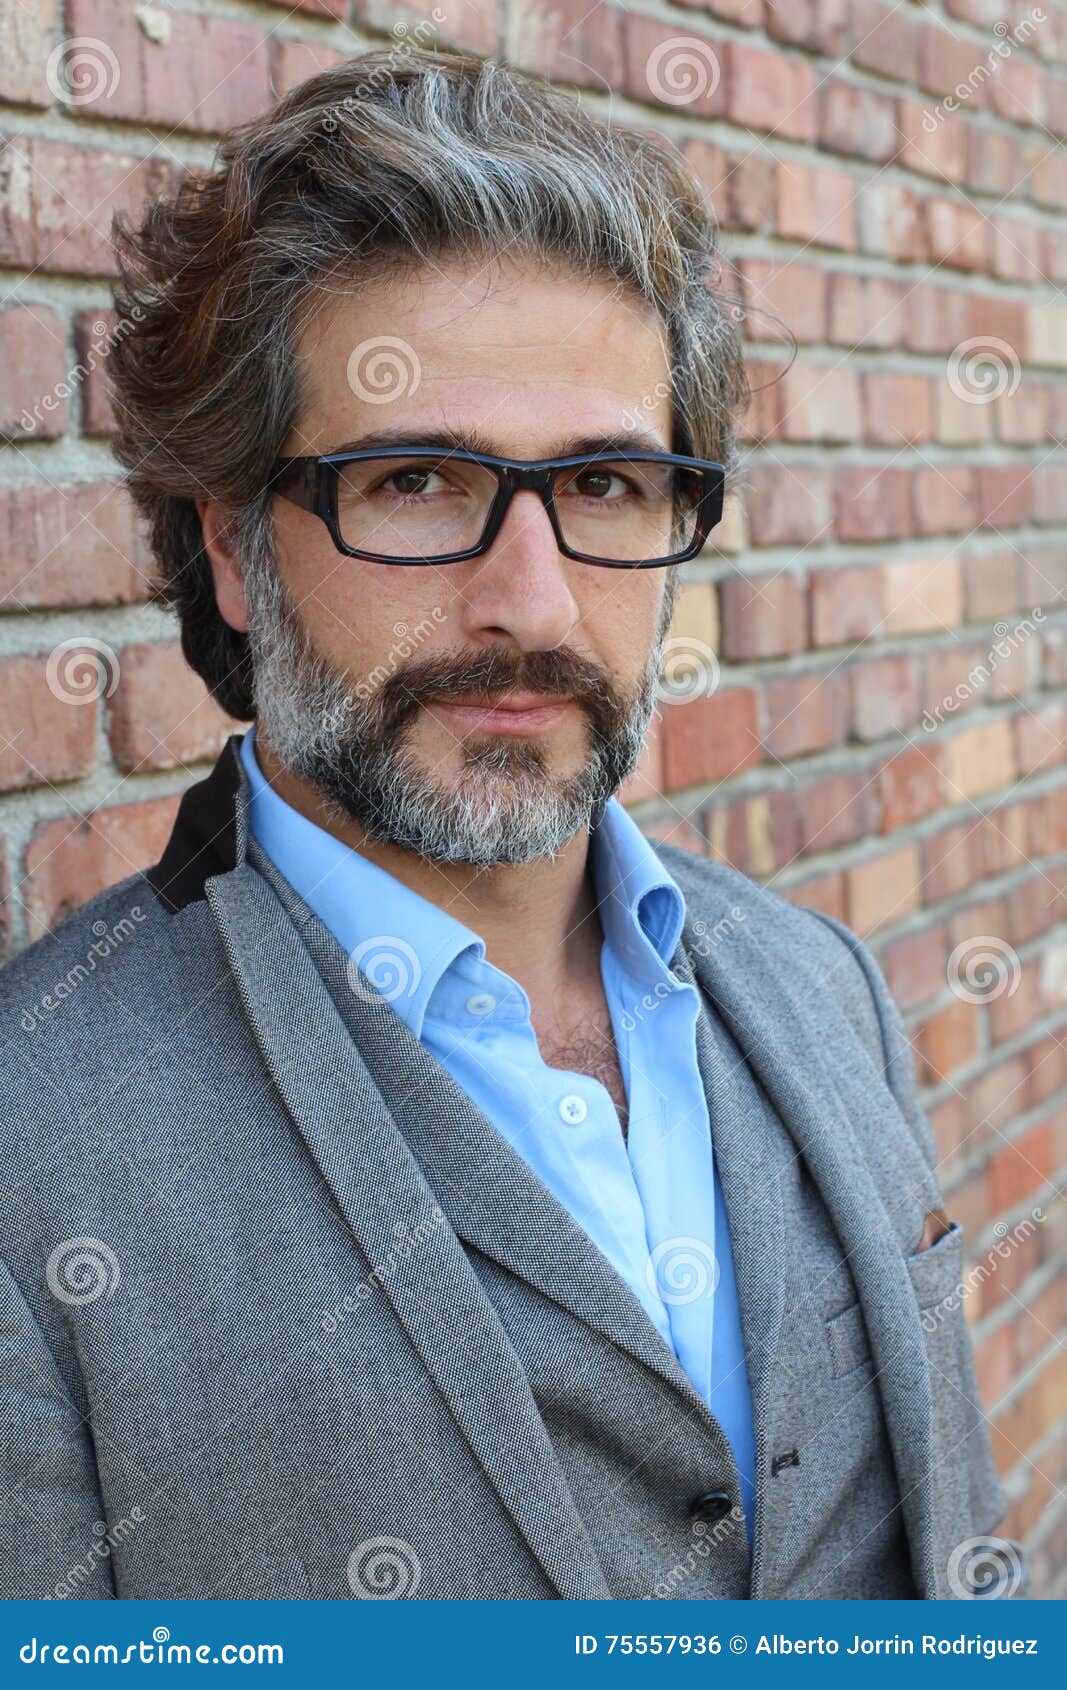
(481, 1003)
(573, 1109)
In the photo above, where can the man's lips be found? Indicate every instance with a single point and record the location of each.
(510, 713)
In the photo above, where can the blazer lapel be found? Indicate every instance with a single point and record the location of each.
(785, 1033)
(747, 1148)
(376, 1182)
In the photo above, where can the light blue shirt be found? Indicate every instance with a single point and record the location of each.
(651, 1202)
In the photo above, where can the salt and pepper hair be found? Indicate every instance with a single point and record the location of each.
(391, 159)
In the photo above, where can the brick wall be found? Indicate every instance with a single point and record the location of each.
(865, 702)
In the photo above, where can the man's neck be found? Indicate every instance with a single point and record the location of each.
(538, 920)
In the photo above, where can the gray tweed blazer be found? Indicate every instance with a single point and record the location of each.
(282, 1314)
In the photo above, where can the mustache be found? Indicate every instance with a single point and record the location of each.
(557, 673)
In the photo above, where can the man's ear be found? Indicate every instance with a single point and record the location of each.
(215, 525)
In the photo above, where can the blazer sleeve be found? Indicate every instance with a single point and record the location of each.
(53, 1540)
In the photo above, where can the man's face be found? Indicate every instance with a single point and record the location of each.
(377, 681)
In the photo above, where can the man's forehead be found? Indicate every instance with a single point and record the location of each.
(449, 347)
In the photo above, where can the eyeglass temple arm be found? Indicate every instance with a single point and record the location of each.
(296, 479)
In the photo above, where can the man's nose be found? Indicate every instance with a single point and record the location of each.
(522, 587)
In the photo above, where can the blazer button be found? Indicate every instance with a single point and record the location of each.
(710, 1508)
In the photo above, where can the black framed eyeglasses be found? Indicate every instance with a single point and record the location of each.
(428, 504)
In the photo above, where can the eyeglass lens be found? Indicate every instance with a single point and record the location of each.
(622, 510)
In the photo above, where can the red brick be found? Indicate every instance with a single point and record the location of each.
(846, 604)
(951, 861)
(26, 37)
(93, 332)
(710, 738)
(944, 499)
(1002, 495)
(292, 62)
(685, 71)
(1020, 1169)
(741, 185)
(991, 578)
(34, 373)
(914, 966)
(762, 616)
(885, 694)
(933, 145)
(206, 74)
(856, 121)
(1017, 252)
(955, 235)
(757, 835)
(898, 409)
(819, 24)
(946, 1042)
(45, 737)
(1017, 94)
(866, 311)
(806, 712)
(883, 890)
(994, 163)
(789, 503)
(910, 787)
(814, 205)
(937, 318)
(72, 858)
(873, 502)
(784, 299)
(885, 39)
(473, 26)
(946, 61)
(979, 759)
(57, 201)
(73, 545)
(836, 810)
(888, 218)
(821, 402)
(1040, 734)
(771, 92)
(161, 714)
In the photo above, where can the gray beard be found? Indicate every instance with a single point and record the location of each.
(348, 741)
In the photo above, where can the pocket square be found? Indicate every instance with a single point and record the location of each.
(936, 1226)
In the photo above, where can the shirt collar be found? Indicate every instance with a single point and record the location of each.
(399, 939)
(406, 944)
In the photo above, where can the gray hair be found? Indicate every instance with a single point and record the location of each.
(385, 161)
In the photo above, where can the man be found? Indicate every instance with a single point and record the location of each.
(435, 1189)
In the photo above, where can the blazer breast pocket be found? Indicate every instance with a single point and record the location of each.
(935, 1279)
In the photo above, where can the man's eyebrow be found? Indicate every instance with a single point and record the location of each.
(471, 440)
